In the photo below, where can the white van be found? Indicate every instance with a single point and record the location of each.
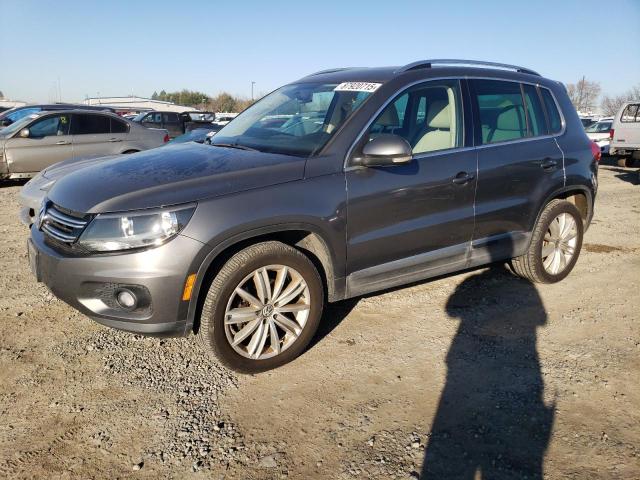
(625, 135)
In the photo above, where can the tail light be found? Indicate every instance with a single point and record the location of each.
(611, 132)
(595, 151)
(166, 138)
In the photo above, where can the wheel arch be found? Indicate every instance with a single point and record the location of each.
(304, 237)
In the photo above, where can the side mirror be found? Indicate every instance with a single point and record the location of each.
(385, 150)
(24, 133)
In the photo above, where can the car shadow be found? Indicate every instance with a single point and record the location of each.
(13, 183)
(631, 175)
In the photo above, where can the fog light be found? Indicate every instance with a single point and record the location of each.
(126, 299)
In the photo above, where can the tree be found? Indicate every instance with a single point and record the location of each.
(154, 96)
(1, 94)
(612, 104)
(584, 94)
(224, 102)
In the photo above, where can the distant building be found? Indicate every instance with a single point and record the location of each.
(6, 104)
(136, 104)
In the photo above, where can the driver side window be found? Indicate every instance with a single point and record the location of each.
(428, 116)
(52, 126)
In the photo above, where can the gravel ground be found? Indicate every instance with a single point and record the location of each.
(476, 372)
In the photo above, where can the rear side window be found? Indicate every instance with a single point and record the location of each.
(535, 113)
(501, 111)
(170, 117)
(555, 122)
(118, 127)
(631, 114)
(87, 124)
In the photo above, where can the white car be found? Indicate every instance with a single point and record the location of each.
(625, 135)
(599, 132)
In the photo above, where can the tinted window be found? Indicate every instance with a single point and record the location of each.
(501, 110)
(55, 125)
(427, 116)
(18, 114)
(631, 114)
(118, 127)
(85, 124)
(153, 118)
(170, 117)
(535, 113)
(555, 123)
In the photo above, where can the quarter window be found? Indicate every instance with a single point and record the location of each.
(118, 127)
(501, 111)
(428, 116)
(535, 113)
(52, 126)
(87, 124)
(631, 114)
(555, 123)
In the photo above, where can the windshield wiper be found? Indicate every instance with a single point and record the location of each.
(233, 145)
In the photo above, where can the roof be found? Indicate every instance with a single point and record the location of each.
(426, 68)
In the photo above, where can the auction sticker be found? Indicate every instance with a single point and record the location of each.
(357, 87)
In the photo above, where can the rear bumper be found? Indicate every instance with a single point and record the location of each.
(91, 284)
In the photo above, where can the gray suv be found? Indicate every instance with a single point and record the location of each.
(345, 182)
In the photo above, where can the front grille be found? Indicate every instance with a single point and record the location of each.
(60, 225)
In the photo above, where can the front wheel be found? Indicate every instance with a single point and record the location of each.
(555, 244)
(262, 308)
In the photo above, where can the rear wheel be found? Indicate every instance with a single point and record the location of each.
(263, 308)
(555, 244)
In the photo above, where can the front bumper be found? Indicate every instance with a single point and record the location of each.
(90, 283)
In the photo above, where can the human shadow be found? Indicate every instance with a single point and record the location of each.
(492, 421)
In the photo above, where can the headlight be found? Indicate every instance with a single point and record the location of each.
(123, 231)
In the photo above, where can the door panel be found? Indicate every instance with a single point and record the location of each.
(49, 142)
(411, 221)
(407, 210)
(25, 155)
(518, 165)
(92, 137)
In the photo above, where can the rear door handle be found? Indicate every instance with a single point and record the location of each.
(63, 142)
(463, 178)
(548, 164)
(115, 139)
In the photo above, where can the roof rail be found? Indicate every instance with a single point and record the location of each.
(330, 70)
(451, 61)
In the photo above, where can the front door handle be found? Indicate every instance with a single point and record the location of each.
(63, 142)
(115, 139)
(463, 178)
(548, 164)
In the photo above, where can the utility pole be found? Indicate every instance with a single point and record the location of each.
(252, 85)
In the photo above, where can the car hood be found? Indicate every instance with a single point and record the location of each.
(170, 176)
(60, 169)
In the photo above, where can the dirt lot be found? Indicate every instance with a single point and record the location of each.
(480, 372)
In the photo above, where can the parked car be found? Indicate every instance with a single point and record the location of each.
(599, 132)
(416, 171)
(198, 135)
(42, 139)
(625, 135)
(13, 115)
(175, 123)
(587, 121)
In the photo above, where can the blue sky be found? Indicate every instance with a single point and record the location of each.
(119, 47)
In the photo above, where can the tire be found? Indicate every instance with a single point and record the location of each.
(530, 265)
(624, 161)
(222, 296)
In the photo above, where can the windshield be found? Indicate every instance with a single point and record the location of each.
(296, 119)
(599, 127)
(19, 125)
(16, 115)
